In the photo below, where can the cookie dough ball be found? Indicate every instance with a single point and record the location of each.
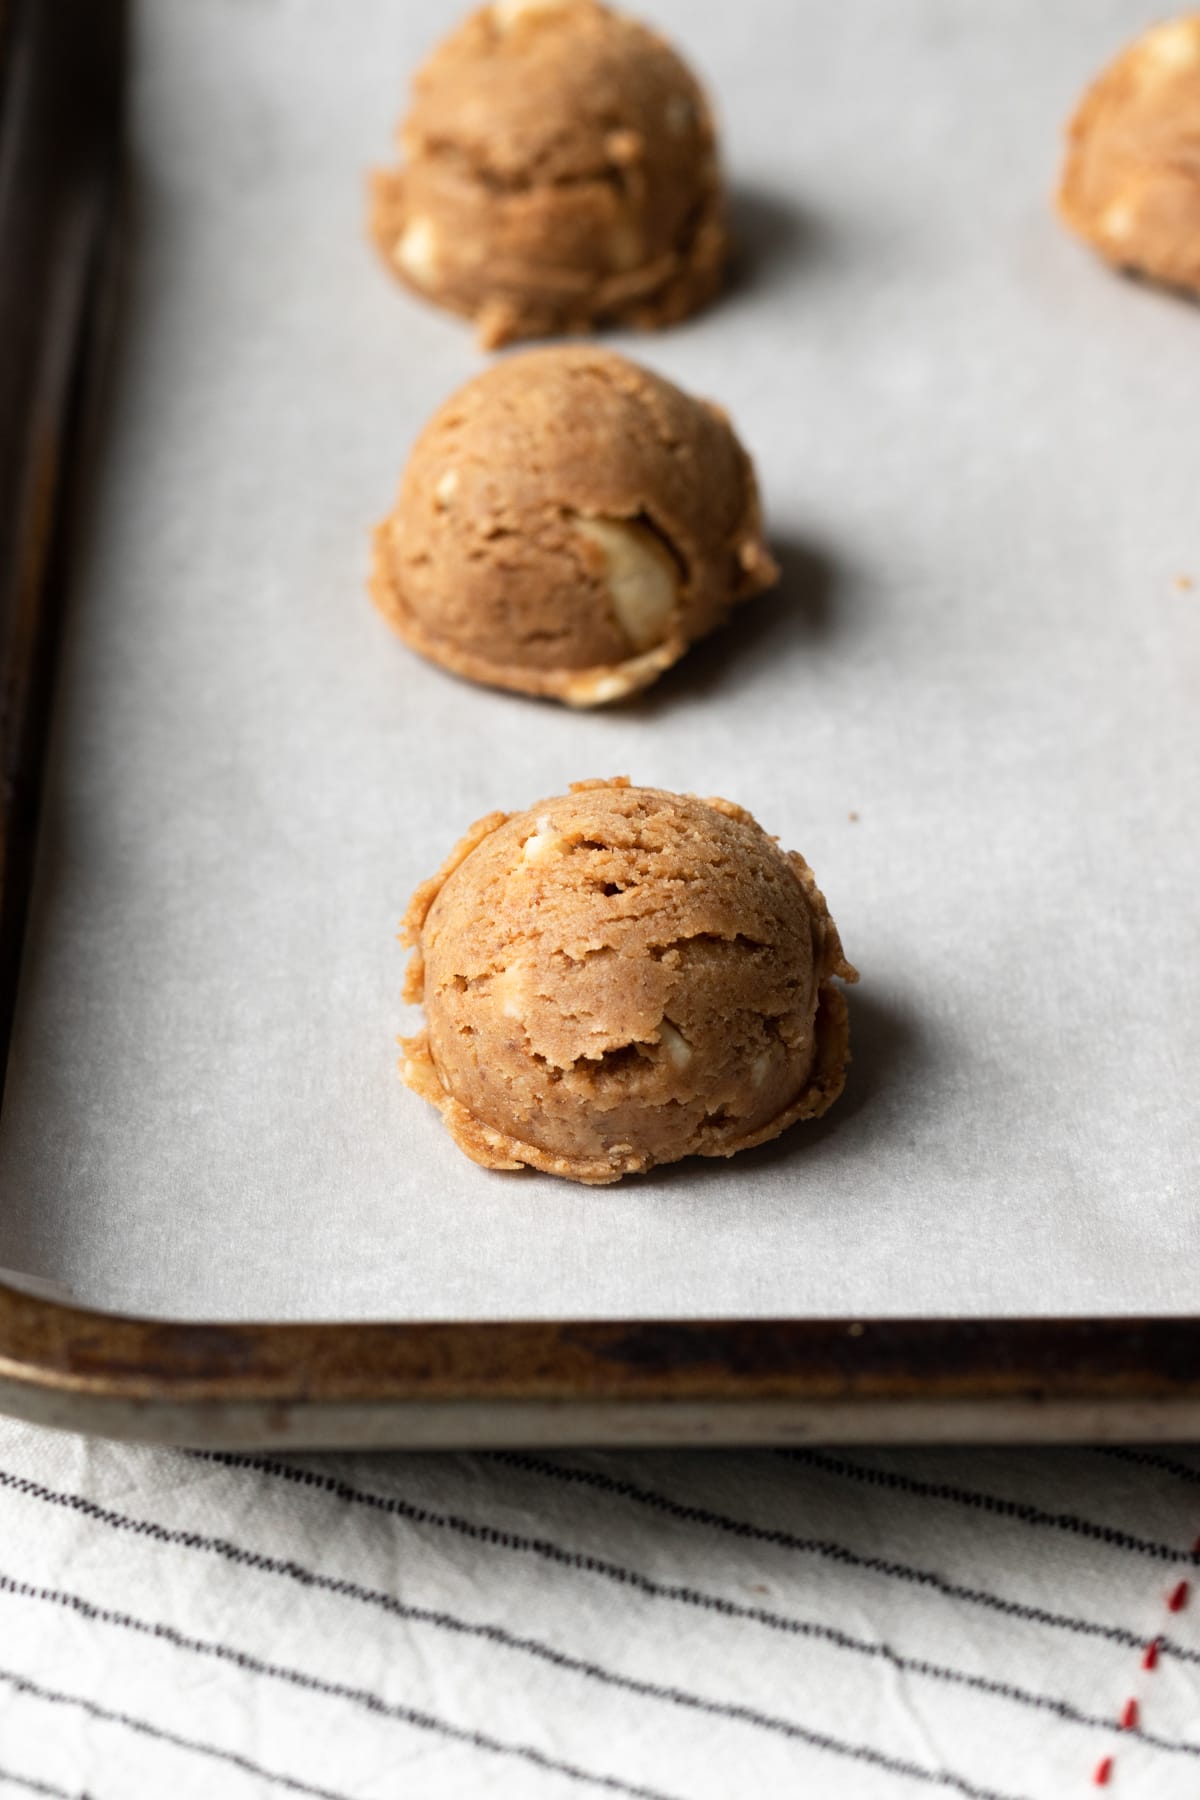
(567, 525)
(560, 172)
(1131, 185)
(622, 977)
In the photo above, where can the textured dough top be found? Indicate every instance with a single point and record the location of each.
(1131, 184)
(568, 523)
(533, 91)
(559, 172)
(620, 977)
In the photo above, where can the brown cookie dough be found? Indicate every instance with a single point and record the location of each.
(1131, 184)
(622, 977)
(560, 172)
(567, 524)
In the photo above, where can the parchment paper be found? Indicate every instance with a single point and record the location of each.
(971, 706)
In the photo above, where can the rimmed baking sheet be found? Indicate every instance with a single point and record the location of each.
(971, 705)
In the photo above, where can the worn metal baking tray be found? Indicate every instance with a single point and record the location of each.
(970, 704)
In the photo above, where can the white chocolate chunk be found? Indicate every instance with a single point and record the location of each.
(1173, 46)
(623, 147)
(543, 843)
(593, 687)
(507, 12)
(417, 250)
(447, 487)
(761, 1067)
(1118, 220)
(675, 1044)
(642, 577)
(508, 987)
(600, 690)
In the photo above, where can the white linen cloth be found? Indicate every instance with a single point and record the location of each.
(688, 1626)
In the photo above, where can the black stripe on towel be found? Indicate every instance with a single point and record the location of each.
(335, 1690)
(1149, 1459)
(821, 1547)
(344, 1588)
(21, 1684)
(33, 1786)
(809, 1629)
(861, 1753)
(1018, 1510)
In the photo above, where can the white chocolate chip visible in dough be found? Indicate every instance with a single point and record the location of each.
(675, 1044)
(508, 987)
(507, 12)
(543, 843)
(1118, 220)
(1174, 46)
(593, 687)
(643, 581)
(599, 690)
(416, 250)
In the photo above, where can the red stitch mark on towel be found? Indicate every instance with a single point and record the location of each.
(1131, 1715)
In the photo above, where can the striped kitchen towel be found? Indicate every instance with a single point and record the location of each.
(687, 1626)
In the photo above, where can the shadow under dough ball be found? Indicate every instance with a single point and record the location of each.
(622, 977)
(1131, 182)
(560, 172)
(567, 524)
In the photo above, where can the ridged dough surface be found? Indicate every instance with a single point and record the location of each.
(559, 171)
(1131, 183)
(621, 977)
(567, 525)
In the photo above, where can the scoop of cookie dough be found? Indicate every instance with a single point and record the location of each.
(567, 525)
(622, 977)
(1131, 184)
(560, 171)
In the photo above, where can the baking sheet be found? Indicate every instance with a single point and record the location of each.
(971, 706)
